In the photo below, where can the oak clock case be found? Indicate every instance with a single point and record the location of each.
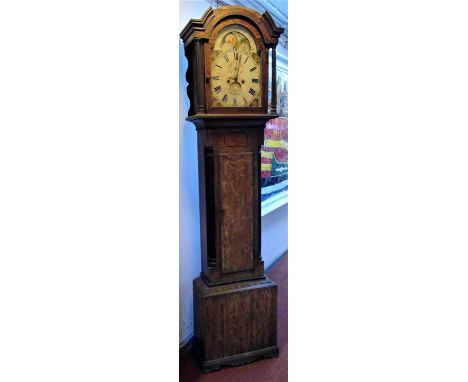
(234, 302)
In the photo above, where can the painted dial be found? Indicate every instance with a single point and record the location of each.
(235, 79)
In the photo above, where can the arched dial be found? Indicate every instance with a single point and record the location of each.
(235, 79)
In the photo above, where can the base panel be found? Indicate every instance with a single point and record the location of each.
(234, 323)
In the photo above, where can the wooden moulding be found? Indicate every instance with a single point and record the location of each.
(216, 121)
(234, 323)
(202, 28)
(240, 359)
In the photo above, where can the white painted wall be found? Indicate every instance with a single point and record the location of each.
(189, 225)
(274, 225)
(274, 235)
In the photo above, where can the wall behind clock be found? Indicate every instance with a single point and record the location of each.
(274, 220)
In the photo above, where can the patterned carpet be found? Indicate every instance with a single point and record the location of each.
(267, 370)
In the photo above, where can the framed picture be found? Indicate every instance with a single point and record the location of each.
(274, 152)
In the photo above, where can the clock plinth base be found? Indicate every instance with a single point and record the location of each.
(236, 360)
(235, 323)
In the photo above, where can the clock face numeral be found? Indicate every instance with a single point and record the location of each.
(236, 78)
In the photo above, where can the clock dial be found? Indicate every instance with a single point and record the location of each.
(235, 69)
(235, 80)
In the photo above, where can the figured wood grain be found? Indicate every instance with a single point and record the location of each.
(264, 305)
(214, 344)
(239, 320)
(236, 195)
(235, 140)
(237, 325)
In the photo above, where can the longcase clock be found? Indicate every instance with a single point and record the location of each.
(235, 305)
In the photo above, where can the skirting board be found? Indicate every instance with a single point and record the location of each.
(185, 345)
(273, 263)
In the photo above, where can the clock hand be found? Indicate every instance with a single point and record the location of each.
(238, 66)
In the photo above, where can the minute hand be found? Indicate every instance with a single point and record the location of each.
(238, 66)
